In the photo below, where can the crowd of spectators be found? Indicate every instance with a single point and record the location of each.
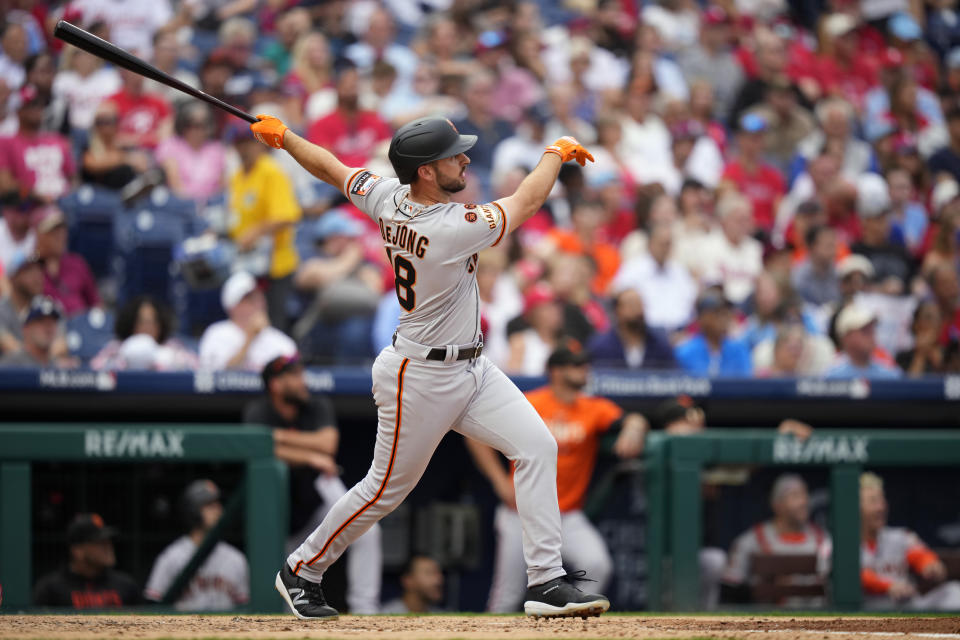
(776, 189)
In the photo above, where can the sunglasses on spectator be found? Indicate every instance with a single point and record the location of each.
(105, 121)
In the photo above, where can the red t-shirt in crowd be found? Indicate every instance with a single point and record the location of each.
(764, 187)
(851, 82)
(74, 286)
(352, 141)
(43, 162)
(140, 116)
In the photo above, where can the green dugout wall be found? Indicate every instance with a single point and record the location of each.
(675, 506)
(265, 501)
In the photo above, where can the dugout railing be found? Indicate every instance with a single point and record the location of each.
(265, 502)
(673, 467)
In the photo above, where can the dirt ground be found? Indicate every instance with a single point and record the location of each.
(474, 627)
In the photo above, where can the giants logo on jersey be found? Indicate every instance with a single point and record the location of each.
(490, 216)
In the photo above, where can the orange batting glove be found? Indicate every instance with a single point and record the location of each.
(568, 148)
(269, 130)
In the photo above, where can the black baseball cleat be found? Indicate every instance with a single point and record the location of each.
(304, 598)
(560, 598)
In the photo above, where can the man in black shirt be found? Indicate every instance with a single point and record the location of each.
(305, 437)
(89, 580)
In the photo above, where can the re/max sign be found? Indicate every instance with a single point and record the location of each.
(821, 449)
(119, 443)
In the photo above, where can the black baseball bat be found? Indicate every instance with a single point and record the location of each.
(72, 34)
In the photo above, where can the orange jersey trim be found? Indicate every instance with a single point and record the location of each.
(503, 229)
(873, 583)
(386, 477)
(920, 557)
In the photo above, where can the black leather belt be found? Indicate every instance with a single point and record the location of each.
(440, 354)
(465, 354)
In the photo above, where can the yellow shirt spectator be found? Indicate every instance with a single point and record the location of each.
(264, 198)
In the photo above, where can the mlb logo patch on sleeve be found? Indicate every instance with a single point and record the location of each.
(363, 183)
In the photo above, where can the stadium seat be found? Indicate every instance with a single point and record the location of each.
(88, 332)
(162, 201)
(145, 241)
(196, 309)
(91, 212)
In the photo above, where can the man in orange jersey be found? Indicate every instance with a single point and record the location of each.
(888, 556)
(577, 421)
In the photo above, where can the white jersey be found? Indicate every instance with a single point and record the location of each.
(221, 583)
(433, 250)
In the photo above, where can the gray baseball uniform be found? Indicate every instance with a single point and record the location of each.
(221, 583)
(888, 559)
(433, 250)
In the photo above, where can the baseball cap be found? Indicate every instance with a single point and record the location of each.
(669, 411)
(838, 24)
(336, 223)
(903, 27)
(49, 218)
(854, 317)
(490, 40)
(711, 300)
(715, 15)
(565, 356)
(42, 307)
(944, 193)
(537, 295)
(88, 527)
(201, 493)
(279, 366)
(855, 263)
(753, 123)
(237, 131)
(236, 288)
(28, 96)
(873, 195)
(21, 260)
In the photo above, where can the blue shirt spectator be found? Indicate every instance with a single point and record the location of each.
(630, 343)
(711, 351)
(856, 327)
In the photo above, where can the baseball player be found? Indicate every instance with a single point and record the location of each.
(577, 421)
(433, 378)
(888, 555)
(223, 580)
(789, 532)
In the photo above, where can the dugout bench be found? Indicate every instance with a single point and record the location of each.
(265, 481)
(673, 469)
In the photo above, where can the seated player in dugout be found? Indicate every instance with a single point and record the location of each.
(89, 580)
(895, 562)
(434, 378)
(222, 581)
(577, 421)
(789, 532)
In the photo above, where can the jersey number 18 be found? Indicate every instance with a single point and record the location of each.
(404, 277)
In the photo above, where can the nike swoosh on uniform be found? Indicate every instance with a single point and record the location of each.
(551, 589)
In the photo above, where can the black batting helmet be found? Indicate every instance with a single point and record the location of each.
(425, 140)
(197, 495)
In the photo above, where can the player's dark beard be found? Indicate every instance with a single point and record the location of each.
(452, 186)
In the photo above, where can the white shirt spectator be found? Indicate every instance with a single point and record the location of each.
(668, 291)
(517, 151)
(221, 583)
(606, 71)
(646, 145)
(736, 267)
(12, 73)
(678, 29)
(222, 340)
(132, 23)
(84, 94)
(9, 246)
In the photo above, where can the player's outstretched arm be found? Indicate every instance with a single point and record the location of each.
(533, 191)
(314, 158)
